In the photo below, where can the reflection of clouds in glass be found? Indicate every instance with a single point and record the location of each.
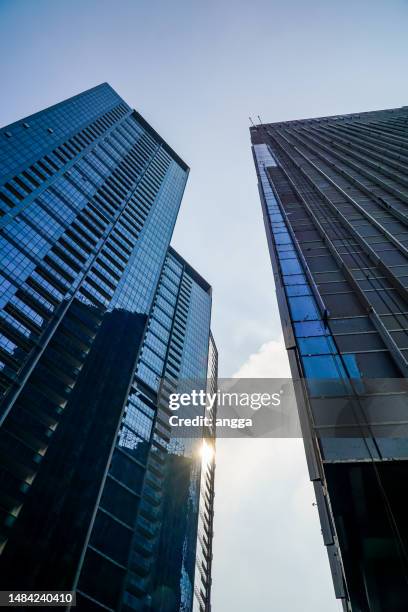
(127, 439)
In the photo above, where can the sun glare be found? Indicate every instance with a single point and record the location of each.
(207, 452)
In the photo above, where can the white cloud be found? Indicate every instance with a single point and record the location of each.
(267, 529)
(270, 361)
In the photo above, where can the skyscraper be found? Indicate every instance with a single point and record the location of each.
(335, 204)
(100, 320)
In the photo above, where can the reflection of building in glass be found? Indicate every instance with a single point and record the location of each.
(100, 319)
(335, 203)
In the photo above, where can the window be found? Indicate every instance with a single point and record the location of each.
(401, 338)
(101, 579)
(355, 324)
(110, 537)
(307, 235)
(310, 328)
(322, 264)
(132, 442)
(346, 448)
(395, 322)
(324, 366)
(386, 301)
(290, 266)
(343, 305)
(119, 502)
(371, 365)
(303, 308)
(360, 342)
(127, 471)
(336, 287)
(295, 290)
(326, 277)
(326, 376)
(317, 345)
(295, 279)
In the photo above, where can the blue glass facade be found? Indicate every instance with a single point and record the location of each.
(97, 314)
(334, 203)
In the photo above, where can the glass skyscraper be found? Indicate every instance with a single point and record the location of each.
(334, 194)
(100, 319)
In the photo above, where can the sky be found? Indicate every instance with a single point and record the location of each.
(196, 71)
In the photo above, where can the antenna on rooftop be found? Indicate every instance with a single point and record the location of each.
(260, 120)
(252, 123)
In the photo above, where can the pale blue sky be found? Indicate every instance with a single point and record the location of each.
(197, 70)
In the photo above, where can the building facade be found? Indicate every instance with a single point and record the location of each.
(204, 554)
(99, 319)
(334, 194)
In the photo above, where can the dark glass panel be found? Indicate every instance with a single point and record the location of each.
(101, 579)
(343, 305)
(120, 502)
(395, 322)
(325, 263)
(371, 365)
(127, 471)
(401, 338)
(327, 277)
(386, 301)
(336, 287)
(359, 342)
(110, 537)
